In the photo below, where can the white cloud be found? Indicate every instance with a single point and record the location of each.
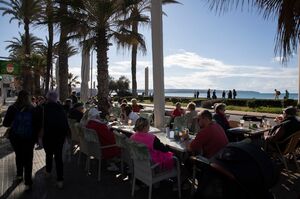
(277, 59)
(190, 70)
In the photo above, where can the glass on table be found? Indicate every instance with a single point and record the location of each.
(242, 122)
(129, 122)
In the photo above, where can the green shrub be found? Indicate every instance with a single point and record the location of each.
(235, 102)
(289, 102)
(209, 103)
(265, 103)
(198, 103)
(174, 100)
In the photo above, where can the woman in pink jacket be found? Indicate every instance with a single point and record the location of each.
(158, 151)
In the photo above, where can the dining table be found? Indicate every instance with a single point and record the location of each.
(179, 145)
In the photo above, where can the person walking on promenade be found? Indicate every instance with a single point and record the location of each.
(23, 121)
(223, 94)
(229, 94)
(287, 94)
(214, 96)
(56, 129)
(234, 93)
(208, 93)
(198, 94)
(277, 93)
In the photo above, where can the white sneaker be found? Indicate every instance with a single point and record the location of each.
(60, 184)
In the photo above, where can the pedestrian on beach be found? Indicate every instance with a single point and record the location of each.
(56, 129)
(223, 94)
(24, 123)
(198, 94)
(234, 94)
(195, 94)
(208, 93)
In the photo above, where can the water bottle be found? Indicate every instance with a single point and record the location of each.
(168, 132)
(176, 132)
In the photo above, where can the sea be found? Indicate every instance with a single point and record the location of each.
(240, 94)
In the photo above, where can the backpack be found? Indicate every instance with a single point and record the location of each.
(22, 124)
(278, 93)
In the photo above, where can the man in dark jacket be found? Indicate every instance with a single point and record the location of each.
(288, 125)
(76, 113)
(56, 129)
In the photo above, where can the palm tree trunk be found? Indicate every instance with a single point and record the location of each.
(102, 70)
(26, 73)
(133, 61)
(63, 56)
(37, 83)
(49, 11)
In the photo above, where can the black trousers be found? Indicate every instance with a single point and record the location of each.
(24, 155)
(54, 149)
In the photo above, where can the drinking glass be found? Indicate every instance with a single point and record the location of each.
(242, 123)
(129, 122)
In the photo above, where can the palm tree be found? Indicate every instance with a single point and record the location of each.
(16, 46)
(288, 24)
(25, 11)
(103, 21)
(137, 17)
(62, 53)
(48, 18)
(72, 82)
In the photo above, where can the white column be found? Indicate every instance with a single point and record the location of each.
(146, 81)
(158, 63)
(298, 74)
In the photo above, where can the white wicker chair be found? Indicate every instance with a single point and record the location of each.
(121, 141)
(92, 148)
(144, 169)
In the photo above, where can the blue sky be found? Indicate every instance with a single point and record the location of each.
(202, 49)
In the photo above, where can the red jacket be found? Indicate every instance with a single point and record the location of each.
(210, 140)
(177, 112)
(106, 137)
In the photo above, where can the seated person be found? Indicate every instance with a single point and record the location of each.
(67, 105)
(178, 111)
(97, 121)
(211, 138)
(123, 116)
(287, 125)
(191, 114)
(158, 151)
(135, 107)
(76, 113)
(73, 97)
(130, 115)
(220, 116)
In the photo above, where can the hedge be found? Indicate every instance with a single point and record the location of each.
(252, 103)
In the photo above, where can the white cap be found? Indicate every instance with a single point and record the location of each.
(93, 112)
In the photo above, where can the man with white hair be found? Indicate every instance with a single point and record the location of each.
(97, 122)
